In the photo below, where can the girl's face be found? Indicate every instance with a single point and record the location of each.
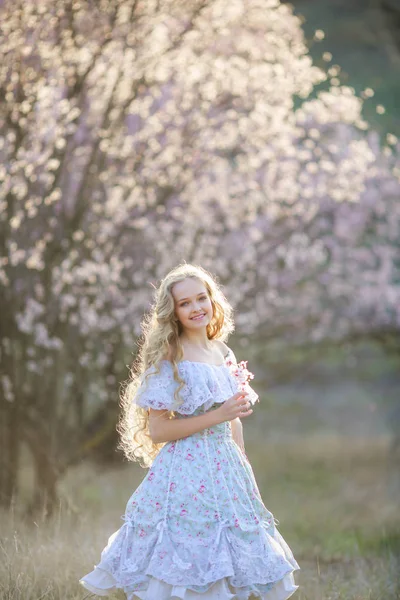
(193, 306)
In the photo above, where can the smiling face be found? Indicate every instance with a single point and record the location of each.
(193, 306)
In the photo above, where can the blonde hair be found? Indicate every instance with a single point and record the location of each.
(160, 338)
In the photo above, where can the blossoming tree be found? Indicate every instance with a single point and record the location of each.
(134, 135)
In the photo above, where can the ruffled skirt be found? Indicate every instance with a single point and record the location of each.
(101, 583)
(196, 529)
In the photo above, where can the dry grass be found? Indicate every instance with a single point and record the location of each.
(332, 496)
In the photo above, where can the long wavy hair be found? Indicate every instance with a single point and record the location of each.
(160, 338)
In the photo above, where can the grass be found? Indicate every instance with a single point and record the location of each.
(331, 495)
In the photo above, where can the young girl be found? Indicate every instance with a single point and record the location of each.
(196, 527)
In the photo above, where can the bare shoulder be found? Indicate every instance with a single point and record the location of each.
(223, 347)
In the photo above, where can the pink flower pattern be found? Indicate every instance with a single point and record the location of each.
(198, 513)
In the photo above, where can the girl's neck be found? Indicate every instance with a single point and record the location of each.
(201, 349)
(196, 339)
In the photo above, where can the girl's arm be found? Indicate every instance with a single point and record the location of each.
(237, 433)
(164, 429)
(236, 424)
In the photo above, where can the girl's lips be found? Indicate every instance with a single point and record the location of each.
(198, 318)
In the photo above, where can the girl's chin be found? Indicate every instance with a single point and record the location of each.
(204, 321)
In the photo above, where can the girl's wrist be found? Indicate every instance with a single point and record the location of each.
(218, 417)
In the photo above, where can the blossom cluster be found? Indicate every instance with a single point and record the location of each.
(243, 376)
(129, 148)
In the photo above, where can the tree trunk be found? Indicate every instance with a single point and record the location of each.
(9, 451)
(45, 497)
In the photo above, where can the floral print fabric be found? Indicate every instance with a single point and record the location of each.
(196, 525)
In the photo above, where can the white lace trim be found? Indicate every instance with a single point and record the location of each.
(102, 583)
(205, 384)
(265, 561)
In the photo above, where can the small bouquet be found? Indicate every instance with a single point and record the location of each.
(243, 376)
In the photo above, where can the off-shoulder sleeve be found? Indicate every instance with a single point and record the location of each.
(156, 390)
(230, 355)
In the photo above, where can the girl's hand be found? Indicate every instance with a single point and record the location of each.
(235, 406)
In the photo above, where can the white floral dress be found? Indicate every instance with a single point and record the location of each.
(196, 527)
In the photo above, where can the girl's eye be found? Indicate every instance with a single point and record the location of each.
(202, 298)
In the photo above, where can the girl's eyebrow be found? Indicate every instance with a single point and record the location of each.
(193, 297)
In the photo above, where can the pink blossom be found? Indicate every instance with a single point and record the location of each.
(240, 372)
(243, 376)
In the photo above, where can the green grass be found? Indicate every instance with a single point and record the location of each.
(330, 494)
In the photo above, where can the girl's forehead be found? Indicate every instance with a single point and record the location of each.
(187, 288)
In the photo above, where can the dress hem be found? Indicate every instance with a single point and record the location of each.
(281, 589)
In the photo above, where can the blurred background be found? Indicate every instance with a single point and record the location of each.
(258, 139)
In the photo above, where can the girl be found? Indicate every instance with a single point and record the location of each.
(196, 527)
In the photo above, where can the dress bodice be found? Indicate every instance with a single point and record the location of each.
(216, 433)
